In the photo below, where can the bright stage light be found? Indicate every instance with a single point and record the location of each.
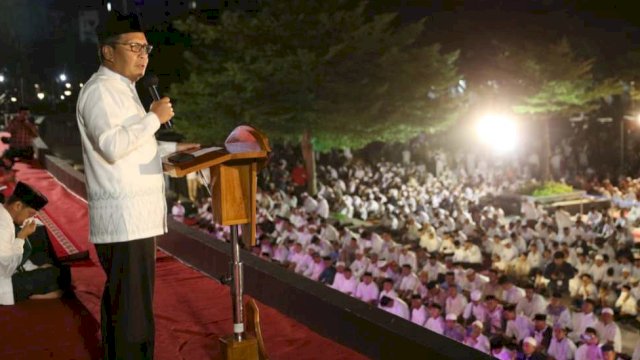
(499, 132)
(1, 78)
(63, 77)
(67, 93)
(14, 99)
(62, 97)
(67, 85)
(40, 95)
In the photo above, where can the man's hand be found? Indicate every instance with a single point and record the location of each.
(163, 109)
(187, 146)
(28, 229)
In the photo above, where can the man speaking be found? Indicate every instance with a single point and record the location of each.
(125, 185)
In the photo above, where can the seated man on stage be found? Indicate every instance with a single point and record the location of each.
(21, 279)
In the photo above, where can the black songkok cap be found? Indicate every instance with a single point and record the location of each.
(540, 317)
(29, 196)
(116, 24)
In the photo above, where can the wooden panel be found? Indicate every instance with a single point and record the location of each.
(230, 200)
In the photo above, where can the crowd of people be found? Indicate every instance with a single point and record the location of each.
(437, 251)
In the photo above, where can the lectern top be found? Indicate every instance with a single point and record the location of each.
(244, 143)
(206, 158)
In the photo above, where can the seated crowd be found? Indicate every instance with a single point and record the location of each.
(433, 251)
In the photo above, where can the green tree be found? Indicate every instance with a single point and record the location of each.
(549, 83)
(322, 73)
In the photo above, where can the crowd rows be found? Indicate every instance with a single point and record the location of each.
(434, 251)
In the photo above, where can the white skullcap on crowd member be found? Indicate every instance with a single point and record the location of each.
(531, 341)
(476, 295)
(599, 257)
(451, 317)
(340, 263)
(607, 311)
(478, 324)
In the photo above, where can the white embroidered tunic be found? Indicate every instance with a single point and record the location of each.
(123, 170)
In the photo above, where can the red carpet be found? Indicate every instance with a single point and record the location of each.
(191, 310)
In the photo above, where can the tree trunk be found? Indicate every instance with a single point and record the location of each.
(309, 156)
(545, 151)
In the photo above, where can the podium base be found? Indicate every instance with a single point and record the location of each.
(231, 349)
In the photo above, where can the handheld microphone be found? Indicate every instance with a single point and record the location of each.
(151, 82)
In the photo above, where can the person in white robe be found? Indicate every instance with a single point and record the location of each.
(19, 279)
(608, 330)
(435, 322)
(561, 347)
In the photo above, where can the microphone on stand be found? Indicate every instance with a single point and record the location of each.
(151, 82)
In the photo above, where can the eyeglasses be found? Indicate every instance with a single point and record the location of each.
(137, 47)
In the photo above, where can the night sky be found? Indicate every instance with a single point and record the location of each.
(39, 38)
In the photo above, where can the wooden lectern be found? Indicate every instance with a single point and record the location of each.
(234, 169)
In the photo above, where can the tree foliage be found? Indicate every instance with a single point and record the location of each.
(323, 67)
(551, 80)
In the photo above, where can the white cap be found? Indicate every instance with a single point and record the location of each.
(531, 341)
(451, 317)
(607, 311)
(506, 241)
(476, 295)
(626, 270)
(470, 272)
(599, 257)
(340, 263)
(478, 324)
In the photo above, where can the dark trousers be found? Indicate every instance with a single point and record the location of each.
(127, 301)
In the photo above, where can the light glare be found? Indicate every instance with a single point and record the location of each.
(499, 132)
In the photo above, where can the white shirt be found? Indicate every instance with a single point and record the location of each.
(344, 285)
(537, 305)
(314, 270)
(611, 333)
(513, 295)
(367, 293)
(562, 350)
(583, 351)
(123, 171)
(480, 343)
(323, 208)
(11, 249)
(435, 324)
(581, 322)
(419, 315)
(478, 311)
(520, 327)
(455, 305)
(627, 304)
(409, 282)
(399, 308)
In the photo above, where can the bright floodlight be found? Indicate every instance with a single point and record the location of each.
(14, 99)
(1, 78)
(40, 95)
(63, 77)
(67, 85)
(499, 132)
(67, 93)
(62, 97)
